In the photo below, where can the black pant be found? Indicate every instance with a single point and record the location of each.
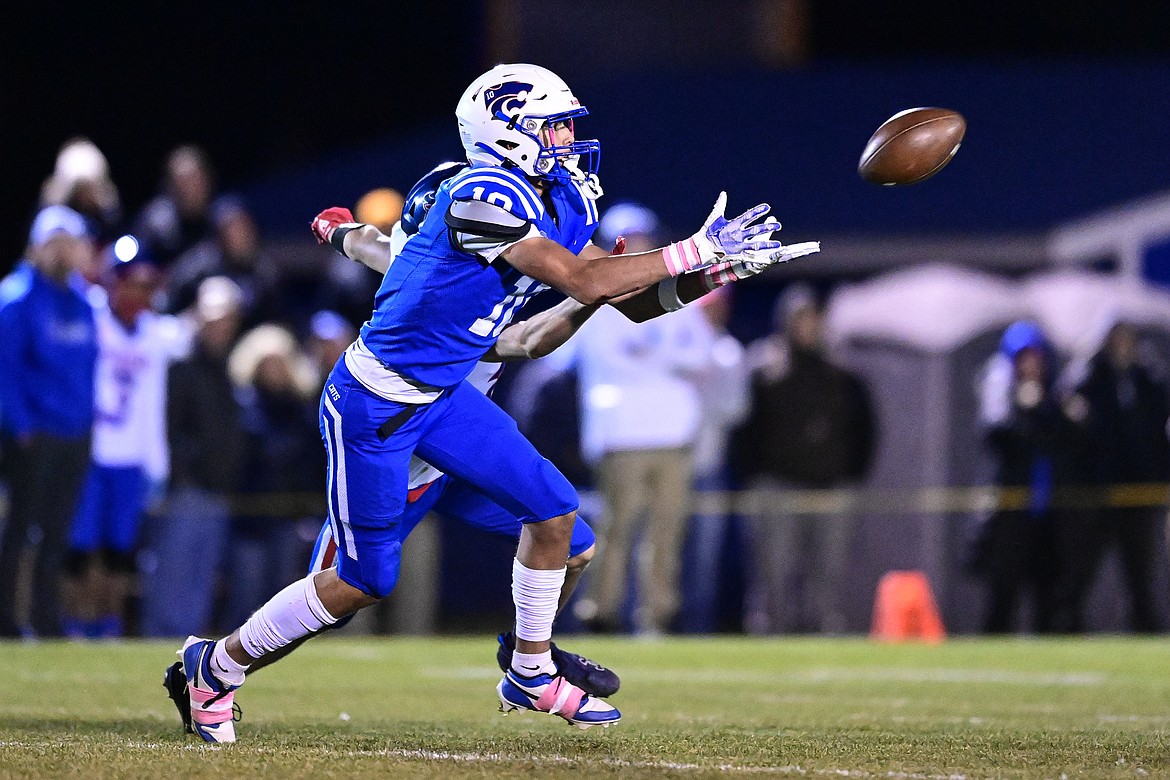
(1022, 556)
(1135, 532)
(45, 480)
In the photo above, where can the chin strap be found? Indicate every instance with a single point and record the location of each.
(591, 186)
(588, 182)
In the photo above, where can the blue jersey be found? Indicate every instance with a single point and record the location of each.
(448, 294)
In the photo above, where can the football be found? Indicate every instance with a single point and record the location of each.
(912, 145)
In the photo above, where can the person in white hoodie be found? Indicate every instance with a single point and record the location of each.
(641, 411)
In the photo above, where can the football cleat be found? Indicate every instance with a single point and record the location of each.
(556, 696)
(210, 704)
(176, 684)
(588, 675)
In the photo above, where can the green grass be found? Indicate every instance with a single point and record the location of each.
(730, 707)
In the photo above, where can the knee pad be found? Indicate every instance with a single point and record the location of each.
(375, 572)
(380, 585)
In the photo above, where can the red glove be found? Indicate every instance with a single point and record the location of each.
(325, 224)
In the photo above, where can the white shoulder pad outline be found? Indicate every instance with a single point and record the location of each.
(485, 229)
(499, 187)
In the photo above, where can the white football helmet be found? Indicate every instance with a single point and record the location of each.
(503, 114)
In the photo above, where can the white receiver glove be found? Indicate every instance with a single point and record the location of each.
(720, 237)
(759, 254)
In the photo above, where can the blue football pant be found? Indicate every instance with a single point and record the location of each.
(457, 501)
(370, 441)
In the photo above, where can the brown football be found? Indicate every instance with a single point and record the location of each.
(912, 146)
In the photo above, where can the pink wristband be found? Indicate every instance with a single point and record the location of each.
(681, 257)
(718, 275)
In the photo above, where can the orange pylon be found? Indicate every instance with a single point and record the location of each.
(905, 609)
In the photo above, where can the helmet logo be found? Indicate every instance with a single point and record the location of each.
(507, 97)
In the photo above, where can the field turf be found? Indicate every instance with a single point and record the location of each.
(1093, 708)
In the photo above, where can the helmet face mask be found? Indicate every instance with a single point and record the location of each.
(508, 117)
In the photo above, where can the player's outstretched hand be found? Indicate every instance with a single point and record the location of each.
(732, 236)
(721, 237)
(762, 252)
(325, 224)
(759, 255)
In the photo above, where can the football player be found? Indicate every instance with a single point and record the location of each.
(518, 220)
(129, 452)
(430, 489)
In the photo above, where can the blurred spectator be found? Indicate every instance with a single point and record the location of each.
(329, 336)
(208, 449)
(180, 217)
(81, 181)
(234, 253)
(1019, 549)
(47, 357)
(1121, 408)
(350, 287)
(544, 398)
(640, 415)
(811, 426)
(723, 394)
(284, 463)
(135, 349)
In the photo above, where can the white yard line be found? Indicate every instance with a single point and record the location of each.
(539, 761)
(829, 675)
(620, 763)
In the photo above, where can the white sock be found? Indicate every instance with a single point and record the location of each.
(225, 668)
(295, 612)
(535, 593)
(532, 664)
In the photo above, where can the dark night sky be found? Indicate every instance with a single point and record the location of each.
(257, 87)
(262, 86)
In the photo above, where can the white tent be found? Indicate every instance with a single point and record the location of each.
(1075, 308)
(933, 309)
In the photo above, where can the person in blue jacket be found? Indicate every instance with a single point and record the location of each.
(47, 356)
(1020, 547)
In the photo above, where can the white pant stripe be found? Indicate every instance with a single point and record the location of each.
(329, 482)
(337, 475)
(327, 536)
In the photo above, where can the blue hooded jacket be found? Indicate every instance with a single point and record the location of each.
(1024, 441)
(48, 350)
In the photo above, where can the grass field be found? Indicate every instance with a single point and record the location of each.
(1097, 708)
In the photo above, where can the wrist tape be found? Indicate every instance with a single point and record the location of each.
(718, 275)
(337, 240)
(681, 257)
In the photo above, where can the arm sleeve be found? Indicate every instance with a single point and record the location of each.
(13, 407)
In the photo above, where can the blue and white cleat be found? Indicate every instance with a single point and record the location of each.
(556, 696)
(586, 674)
(213, 711)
